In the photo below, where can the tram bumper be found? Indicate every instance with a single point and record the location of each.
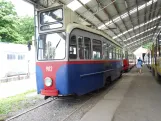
(49, 92)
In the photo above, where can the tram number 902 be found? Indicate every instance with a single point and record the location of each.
(49, 68)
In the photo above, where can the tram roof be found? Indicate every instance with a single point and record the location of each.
(73, 26)
(131, 23)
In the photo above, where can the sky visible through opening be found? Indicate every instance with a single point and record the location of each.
(23, 8)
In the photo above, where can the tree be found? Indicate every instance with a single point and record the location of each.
(13, 28)
(26, 27)
(8, 24)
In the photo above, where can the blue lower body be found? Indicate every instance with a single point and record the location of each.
(80, 79)
(83, 78)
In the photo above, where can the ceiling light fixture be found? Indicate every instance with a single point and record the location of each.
(74, 5)
(85, 1)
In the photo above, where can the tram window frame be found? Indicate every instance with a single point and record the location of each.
(100, 47)
(90, 50)
(108, 49)
(155, 54)
(126, 55)
(76, 43)
(117, 57)
(159, 44)
(114, 53)
(105, 50)
(118, 54)
(80, 37)
(110, 52)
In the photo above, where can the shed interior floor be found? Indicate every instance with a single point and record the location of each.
(135, 97)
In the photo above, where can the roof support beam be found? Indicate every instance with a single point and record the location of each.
(150, 17)
(140, 33)
(79, 15)
(85, 6)
(139, 44)
(120, 16)
(141, 23)
(158, 22)
(108, 15)
(143, 38)
(138, 16)
(130, 18)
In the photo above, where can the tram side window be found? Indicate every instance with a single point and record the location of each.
(81, 47)
(97, 49)
(73, 47)
(110, 53)
(87, 48)
(105, 50)
(114, 53)
(118, 54)
(126, 54)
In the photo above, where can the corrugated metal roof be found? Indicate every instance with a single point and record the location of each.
(132, 23)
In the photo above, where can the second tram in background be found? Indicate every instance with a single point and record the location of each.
(154, 57)
(129, 61)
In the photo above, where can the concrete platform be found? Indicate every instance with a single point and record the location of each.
(13, 88)
(136, 97)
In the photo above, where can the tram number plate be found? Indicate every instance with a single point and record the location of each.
(49, 68)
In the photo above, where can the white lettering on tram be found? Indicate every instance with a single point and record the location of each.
(49, 68)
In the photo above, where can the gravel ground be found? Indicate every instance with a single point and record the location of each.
(64, 109)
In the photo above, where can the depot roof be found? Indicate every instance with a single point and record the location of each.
(131, 23)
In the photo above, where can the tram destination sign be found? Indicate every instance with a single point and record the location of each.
(55, 18)
(51, 19)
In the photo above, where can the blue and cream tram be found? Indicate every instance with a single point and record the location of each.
(73, 59)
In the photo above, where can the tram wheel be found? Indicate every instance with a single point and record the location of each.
(120, 75)
(108, 81)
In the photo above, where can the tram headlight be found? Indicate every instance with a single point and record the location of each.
(48, 81)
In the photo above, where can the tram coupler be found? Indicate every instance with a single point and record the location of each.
(46, 97)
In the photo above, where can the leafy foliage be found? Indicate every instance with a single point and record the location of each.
(26, 27)
(148, 45)
(13, 103)
(13, 28)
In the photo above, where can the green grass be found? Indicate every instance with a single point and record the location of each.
(13, 103)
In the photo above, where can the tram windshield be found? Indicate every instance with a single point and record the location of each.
(51, 46)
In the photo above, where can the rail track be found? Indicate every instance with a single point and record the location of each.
(90, 96)
(33, 108)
